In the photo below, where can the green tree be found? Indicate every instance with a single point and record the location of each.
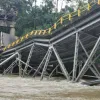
(35, 17)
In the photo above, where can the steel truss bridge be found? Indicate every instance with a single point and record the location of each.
(70, 47)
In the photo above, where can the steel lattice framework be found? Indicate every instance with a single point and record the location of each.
(77, 42)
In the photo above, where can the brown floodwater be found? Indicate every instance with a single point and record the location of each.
(16, 88)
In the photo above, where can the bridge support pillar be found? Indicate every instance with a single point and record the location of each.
(12, 31)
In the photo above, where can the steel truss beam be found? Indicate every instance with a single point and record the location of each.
(10, 68)
(74, 32)
(46, 59)
(20, 65)
(46, 62)
(25, 46)
(78, 25)
(28, 59)
(63, 69)
(14, 55)
(80, 65)
(41, 64)
(41, 40)
(41, 44)
(36, 43)
(94, 69)
(89, 34)
(88, 61)
(25, 64)
(75, 58)
(53, 71)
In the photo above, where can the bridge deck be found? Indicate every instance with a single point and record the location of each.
(88, 35)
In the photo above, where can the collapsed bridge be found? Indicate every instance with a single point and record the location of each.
(69, 49)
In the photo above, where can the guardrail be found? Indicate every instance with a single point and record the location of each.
(66, 17)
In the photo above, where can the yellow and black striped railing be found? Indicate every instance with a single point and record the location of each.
(68, 17)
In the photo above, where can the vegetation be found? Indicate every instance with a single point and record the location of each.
(31, 16)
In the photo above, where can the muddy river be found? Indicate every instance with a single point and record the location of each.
(16, 88)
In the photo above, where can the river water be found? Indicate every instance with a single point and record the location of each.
(16, 88)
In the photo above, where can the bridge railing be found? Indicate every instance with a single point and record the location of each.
(66, 17)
